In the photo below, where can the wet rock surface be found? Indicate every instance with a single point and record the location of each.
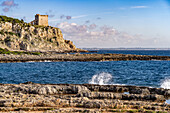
(55, 98)
(77, 57)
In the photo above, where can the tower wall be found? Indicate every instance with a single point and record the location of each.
(41, 20)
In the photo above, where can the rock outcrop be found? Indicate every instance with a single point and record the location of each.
(56, 98)
(4, 58)
(17, 35)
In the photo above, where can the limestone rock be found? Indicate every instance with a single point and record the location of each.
(32, 97)
(139, 91)
(23, 36)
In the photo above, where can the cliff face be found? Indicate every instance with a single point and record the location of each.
(23, 36)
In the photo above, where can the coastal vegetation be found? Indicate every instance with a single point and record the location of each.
(10, 19)
(6, 51)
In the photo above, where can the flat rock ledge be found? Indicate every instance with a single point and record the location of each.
(4, 58)
(63, 98)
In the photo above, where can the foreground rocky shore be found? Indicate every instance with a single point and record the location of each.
(76, 57)
(56, 98)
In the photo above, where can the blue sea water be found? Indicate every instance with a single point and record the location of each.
(136, 52)
(141, 73)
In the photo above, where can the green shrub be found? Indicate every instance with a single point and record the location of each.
(11, 33)
(36, 53)
(6, 51)
(2, 32)
(38, 26)
(18, 34)
(9, 19)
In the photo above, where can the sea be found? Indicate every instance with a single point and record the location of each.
(152, 73)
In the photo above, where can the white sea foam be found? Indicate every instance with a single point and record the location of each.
(38, 61)
(101, 79)
(166, 84)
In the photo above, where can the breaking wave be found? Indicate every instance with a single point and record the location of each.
(101, 79)
(166, 84)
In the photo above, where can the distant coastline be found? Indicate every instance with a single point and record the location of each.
(125, 48)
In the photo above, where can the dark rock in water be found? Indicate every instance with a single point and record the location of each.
(48, 56)
(80, 98)
(29, 82)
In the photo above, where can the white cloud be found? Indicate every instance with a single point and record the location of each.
(77, 17)
(8, 4)
(67, 18)
(122, 8)
(100, 36)
(80, 16)
(139, 7)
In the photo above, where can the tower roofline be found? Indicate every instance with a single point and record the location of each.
(41, 15)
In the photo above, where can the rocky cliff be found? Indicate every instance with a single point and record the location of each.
(18, 35)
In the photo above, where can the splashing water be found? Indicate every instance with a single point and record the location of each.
(101, 79)
(166, 84)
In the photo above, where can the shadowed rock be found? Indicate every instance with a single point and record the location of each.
(77, 57)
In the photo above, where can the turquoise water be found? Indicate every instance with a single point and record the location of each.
(142, 73)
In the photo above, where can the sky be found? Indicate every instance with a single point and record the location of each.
(101, 23)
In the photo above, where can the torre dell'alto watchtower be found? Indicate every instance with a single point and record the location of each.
(41, 20)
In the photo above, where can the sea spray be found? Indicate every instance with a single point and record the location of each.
(101, 79)
(166, 84)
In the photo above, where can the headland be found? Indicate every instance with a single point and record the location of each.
(24, 42)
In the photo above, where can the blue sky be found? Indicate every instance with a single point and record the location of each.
(101, 23)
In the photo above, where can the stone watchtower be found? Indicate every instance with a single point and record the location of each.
(40, 20)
